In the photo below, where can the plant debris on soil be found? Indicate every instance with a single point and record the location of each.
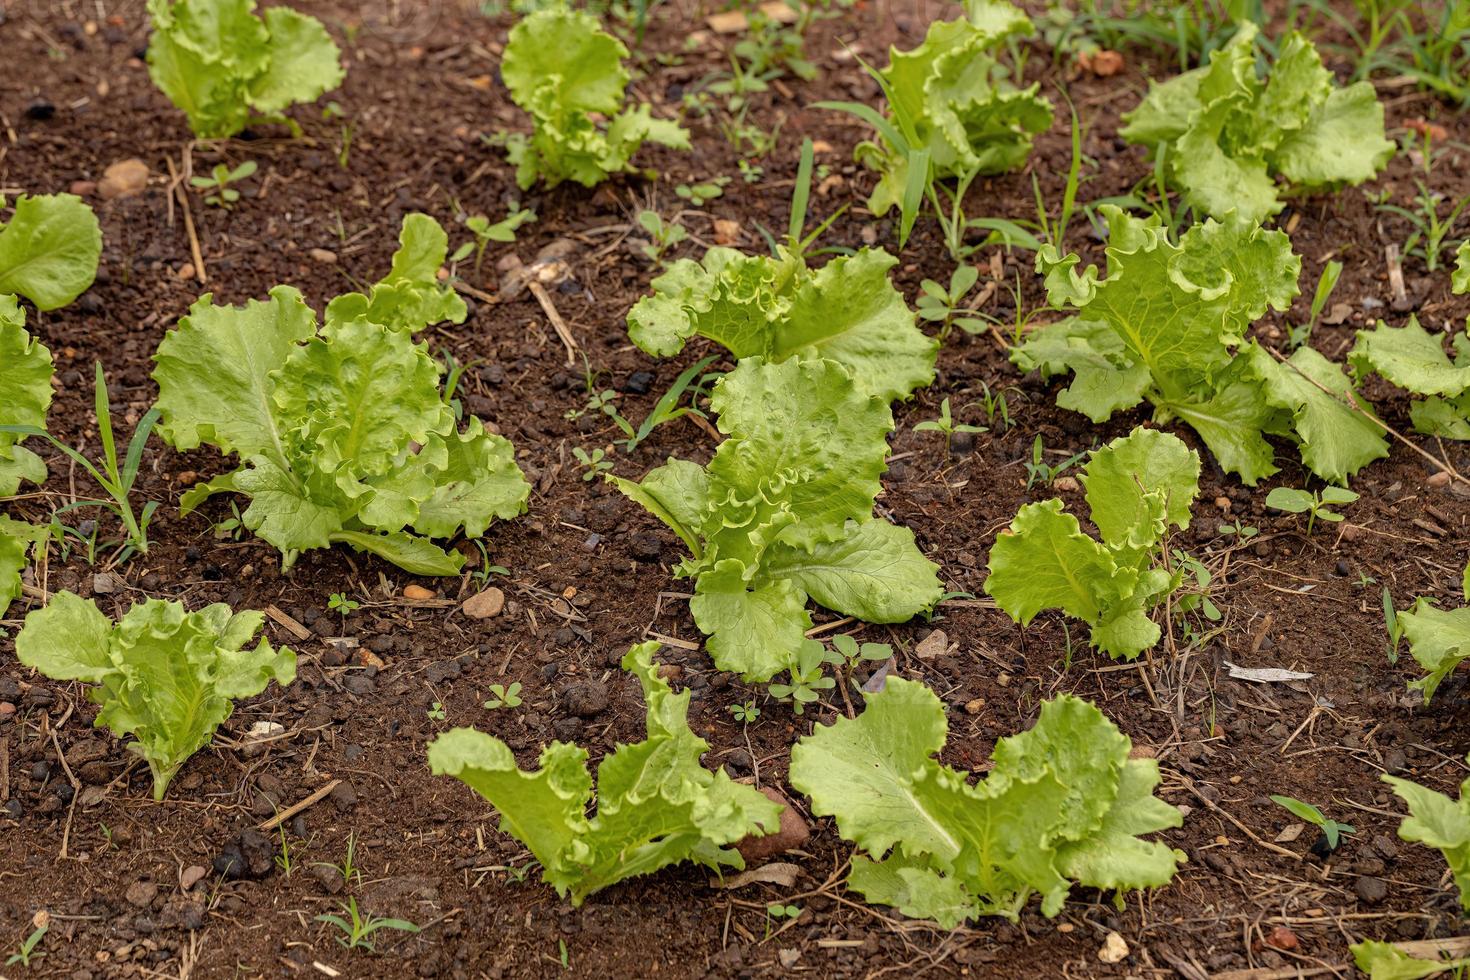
(208, 883)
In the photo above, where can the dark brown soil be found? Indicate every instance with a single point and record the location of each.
(589, 572)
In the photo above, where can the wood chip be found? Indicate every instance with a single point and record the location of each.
(288, 624)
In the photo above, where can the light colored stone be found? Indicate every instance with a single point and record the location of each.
(485, 605)
(126, 178)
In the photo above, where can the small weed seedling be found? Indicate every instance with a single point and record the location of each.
(1391, 624)
(504, 697)
(662, 235)
(745, 713)
(348, 869)
(232, 528)
(1314, 505)
(284, 860)
(1331, 829)
(698, 194)
(943, 306)
(994, 404)
(945, 423)
(1038, 471)
(356, 928)
(1298, 335)
(217, 184)
(564, 954)
(482, 574)
(436, 711)
(1431, 232)
(342, 605)
(485, 232)
(808, 676)
(780, 912)
(594, 464)
(1238, 531)
(27, 950)
(668, 408)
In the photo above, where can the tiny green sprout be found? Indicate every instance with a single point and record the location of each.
(436, 711)
(945, 423)
(348, 869)
(662, 235)
(944, 306)
(698, 194)
(1239, 531)
(994, 404)
(339, 602)
(1331, 829)
(564, 954)
(485, 232)
(1392, 625)
(855, 654)
(1314, 505)
(504, 697)
(356, 928)
(221, 194)
(284, 860)
(752, 173)
(745, 713)
(594, 464)
(807, 676)
(1037, 470)
(779, 911)
(27, 950)
(1364, 580)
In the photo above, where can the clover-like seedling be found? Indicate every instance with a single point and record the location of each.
(504, 697)
(1314, 505)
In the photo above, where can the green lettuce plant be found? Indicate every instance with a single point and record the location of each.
(1225, 136)
(776, 308)
(656, 805)
(1167, 324)
(343, 433)
(165, 676)
(563, 71)
(224, 67)
(1138, 487)
(951, 110)
(1435, 820)
(1063, 804)
(784, 512)
(410, 297)
(1439, 639)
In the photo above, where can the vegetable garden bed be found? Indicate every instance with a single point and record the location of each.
(1272, 672)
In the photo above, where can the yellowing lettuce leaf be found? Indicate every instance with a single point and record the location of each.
(784, 512)
(25, 396)
(656, 805)
(562, 70)
(165, 676)
(776, 308)
(1137, 487)
(1063, 803)
(1227, 136)
(222, 65)
(49, 249)
(343, 433)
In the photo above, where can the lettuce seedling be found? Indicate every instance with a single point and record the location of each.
(410, 297)
(224, 67)
(1167, 323)
(775, 308)
(25, 396)
(1138, 487)
(1063, 804)
(784, 512)
(1415, 360)
(1225, 135)
(165, 676)
(656, 805)
(564, 71)
(342, 431)
(951, 111)
(49, 249)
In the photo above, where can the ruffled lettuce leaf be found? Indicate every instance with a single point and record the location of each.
(1435, 820)
(343, 434)
(1439, 641)
(220, 63)
(784, 512)
(1062, 804)
(1137, 488)
(656, 804)
(49, 249)
(165, 676)
(1227, 135)
(1414, 359)
(410, 297)
(1385, 961)
(563, 70)
(757, 306)
(25, 396)
(17, 539)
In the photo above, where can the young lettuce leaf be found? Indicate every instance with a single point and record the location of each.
(1167, 324)
(343, 433)
(165, 676)
(1063, 804)
(949, 96)
(49, 249)
(1435, 820)
(775, 308)
(563, 70)
(1138, 487)
(1226, 135)
(223, 66)
(656, 805)
(784, 512)
(25, 396)
(17, 539)
(410, 297)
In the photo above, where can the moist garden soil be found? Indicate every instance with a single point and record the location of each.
(188, 887)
